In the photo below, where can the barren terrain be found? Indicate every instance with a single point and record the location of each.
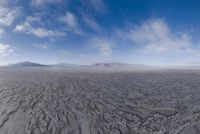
(53, 101)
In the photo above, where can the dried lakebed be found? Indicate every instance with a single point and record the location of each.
(50, 101)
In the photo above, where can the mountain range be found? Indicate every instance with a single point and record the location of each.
(32, 64)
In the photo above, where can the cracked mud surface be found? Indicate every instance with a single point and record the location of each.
(34, 101)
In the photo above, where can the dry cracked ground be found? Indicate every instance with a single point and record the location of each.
(51, 101)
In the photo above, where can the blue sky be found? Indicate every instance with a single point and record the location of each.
(153, 32)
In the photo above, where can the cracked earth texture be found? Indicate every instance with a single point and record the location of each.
(50, 101)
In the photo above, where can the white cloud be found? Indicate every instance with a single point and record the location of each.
(155, 36)
(39, 32)
(5, 50)
(103, 45)
(43, 33)
(24, 28)
(98, 5)
(33, 19)
(154, 42)
(92, 23)
(7, 14)
(70, 20)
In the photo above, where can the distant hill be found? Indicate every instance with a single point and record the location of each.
(117, 65)
(26, 63)
(111, 65)
(66, 65)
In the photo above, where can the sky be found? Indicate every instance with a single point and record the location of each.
(151, 32)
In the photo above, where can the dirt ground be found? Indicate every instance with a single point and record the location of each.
(50, 101)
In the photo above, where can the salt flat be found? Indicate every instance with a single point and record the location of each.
(61, 101)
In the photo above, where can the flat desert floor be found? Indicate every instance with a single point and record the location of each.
(53, 101)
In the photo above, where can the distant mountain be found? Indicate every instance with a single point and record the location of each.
(117, 65)
(26, 63)
(66, 65)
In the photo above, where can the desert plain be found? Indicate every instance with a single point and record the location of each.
(64, 101)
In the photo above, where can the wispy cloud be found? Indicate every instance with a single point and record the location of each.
(155, 42)
(98, 5)
(43, 46)
(5, 50)
(71, 21)
(8, 14)
(91, 23)
(40, 32)
(155, 36)
(103, 45)
(31, 19)
(45, 33)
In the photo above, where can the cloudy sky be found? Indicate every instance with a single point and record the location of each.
(153, 32)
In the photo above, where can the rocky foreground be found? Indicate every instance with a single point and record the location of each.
(50, 101)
